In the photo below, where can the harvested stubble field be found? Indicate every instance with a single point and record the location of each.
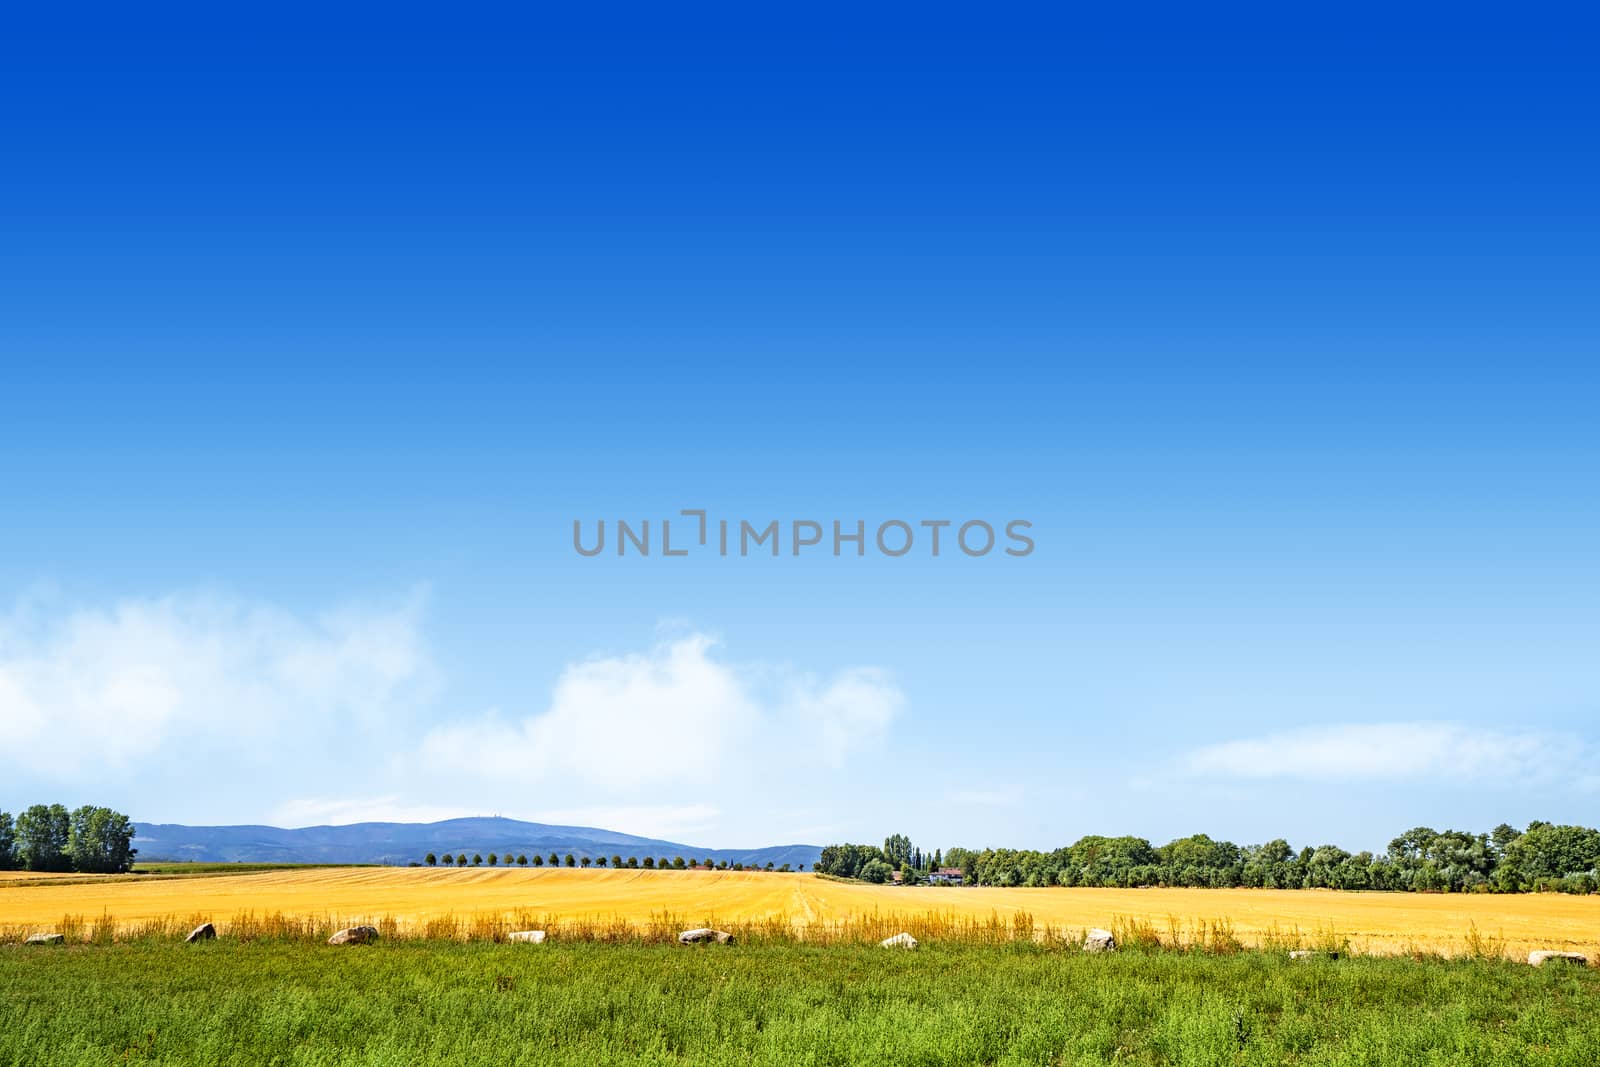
(484, 902)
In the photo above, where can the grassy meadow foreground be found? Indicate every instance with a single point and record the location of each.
(410, 1002)
(483, 901)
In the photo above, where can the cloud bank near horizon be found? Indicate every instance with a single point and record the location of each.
(108, 689)
(1390, 752)
(203, 693)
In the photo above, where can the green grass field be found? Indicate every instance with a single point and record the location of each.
(446, 1003)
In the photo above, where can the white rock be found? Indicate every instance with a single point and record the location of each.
(355, 935)
(535, 937)
(901, 940)
(1098, 940)
(1539, 959)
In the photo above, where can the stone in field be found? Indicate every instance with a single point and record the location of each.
(1098, 940)
(901, 940)
(44, 939)
(1312, 954)
(534, 937)
(355, 935)
(203, 932)
(705, 934)
(1539, 959)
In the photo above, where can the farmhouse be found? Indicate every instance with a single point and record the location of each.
(945, 876)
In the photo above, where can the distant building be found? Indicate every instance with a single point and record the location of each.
(946, 876)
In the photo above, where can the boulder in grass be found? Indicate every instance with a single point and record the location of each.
(44, 939)
(1540, 958)
(1098, 940)
(355, 935)
(705, 935)
(532, 937)
(203, 932)
(1312, 954)
(901, 940)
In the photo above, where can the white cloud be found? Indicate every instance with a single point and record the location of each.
(91, 690)
(619, 722)
(646, 820)
(203, 707)
(324, 811)
(1002, 797)
(1398, 751)
(674, 714)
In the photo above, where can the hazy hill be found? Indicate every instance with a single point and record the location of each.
(402, 843)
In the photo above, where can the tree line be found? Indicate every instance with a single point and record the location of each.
(1544, 857)
(649, 863)
(49, 838)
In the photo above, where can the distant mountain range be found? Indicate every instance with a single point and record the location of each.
(401, 843)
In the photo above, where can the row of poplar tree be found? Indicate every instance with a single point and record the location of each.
(678, 863)
(48, 837)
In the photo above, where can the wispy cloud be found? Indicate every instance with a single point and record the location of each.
(1009, 796)
(646, 820)
(104, 689)
(324, 811)
(848, 713)
(1395, 751)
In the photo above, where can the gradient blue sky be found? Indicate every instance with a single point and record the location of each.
(317, 332)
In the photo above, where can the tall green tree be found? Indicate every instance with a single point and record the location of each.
(876, 871)
(44, 833)
(897, 850)
(1546, 851)
(8, 842)
(100, 840)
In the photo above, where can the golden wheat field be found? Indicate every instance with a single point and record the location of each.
(407, 899)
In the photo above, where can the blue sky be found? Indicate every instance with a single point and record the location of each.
(316, 336)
